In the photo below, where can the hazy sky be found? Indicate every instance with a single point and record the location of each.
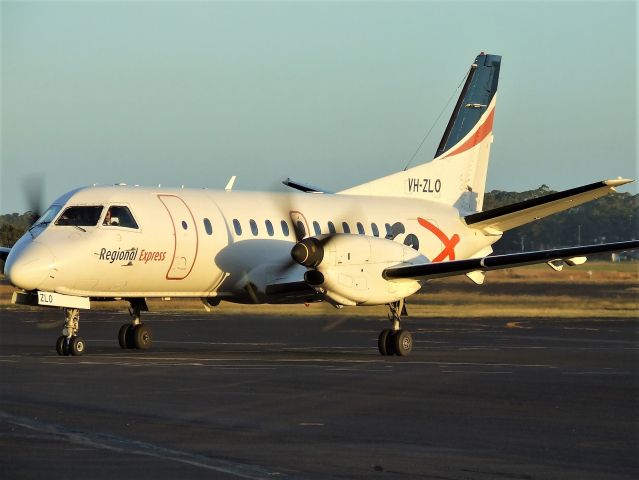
(333, 94)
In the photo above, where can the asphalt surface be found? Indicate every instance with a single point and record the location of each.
(310, 397)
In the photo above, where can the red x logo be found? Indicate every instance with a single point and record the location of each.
(449, 243)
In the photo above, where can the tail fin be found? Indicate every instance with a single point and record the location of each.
(457, 174)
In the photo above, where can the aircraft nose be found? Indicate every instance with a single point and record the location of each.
(28, 267)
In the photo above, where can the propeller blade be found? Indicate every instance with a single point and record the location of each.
(33, 188)
(308, 250)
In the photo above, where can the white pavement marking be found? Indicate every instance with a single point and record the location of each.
(597, 373)
(475, 372)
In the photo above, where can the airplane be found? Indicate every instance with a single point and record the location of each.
(376, 243)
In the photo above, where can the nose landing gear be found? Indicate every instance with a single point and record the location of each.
(69, 343)
(395, 341)
(136, 334)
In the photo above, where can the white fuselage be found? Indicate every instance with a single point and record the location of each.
(187, 242)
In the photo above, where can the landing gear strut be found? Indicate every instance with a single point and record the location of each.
(395, 341)
(69, 343)
(136, 334)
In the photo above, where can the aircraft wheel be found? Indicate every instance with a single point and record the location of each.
(124, 336)
(62, 346)
(403, 343)
(76, 346)
(142, 337)
(385, 342)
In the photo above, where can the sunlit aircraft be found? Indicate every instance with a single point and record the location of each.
(372, 244)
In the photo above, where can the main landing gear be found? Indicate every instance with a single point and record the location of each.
(395, 341)
(69, 343)
(131, 335)
(136, 334)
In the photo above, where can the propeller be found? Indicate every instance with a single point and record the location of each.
(308, 250)
(33, 188)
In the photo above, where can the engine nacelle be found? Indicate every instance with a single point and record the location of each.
(349, 271)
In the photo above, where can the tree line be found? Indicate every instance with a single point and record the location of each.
(612, 218)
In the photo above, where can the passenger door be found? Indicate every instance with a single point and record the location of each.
(186, 237)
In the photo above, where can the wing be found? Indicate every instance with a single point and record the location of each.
(500, 219)
(572, 256)
(292, 292)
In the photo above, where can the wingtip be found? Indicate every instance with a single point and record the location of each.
(618, 181)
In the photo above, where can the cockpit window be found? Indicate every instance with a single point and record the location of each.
(84, 216)
(48, 216)
(119, 216)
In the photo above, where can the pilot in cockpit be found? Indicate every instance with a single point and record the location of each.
(109, 219)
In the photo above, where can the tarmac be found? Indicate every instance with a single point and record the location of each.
(304, 397)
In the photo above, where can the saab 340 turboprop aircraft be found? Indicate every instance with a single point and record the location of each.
(372, 244)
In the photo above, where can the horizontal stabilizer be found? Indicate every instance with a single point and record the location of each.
(504, 218)
(429, 271)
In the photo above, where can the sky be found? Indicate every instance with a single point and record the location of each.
(330, 93)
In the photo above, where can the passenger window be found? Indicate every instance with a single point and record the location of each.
(331, 228)
(253, 227)
(285, 230)
(316, 227)
(412, 241)
(360, 228)
(237, 226)
(389, 230)
(208, 227)
(80, 216)
(346, 228)
(375, 229)
(120, 216)
(269, 228)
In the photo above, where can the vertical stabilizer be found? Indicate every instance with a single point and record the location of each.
(457, 174)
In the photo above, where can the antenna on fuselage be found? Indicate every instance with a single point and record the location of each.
(229, 185)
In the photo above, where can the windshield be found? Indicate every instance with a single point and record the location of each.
(84, 216)
(48, 216)
(119, 216)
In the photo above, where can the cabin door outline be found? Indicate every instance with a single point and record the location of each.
(185, 236)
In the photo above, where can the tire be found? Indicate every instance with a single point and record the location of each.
(61, 346)
(403, 343)
(123, 334)
(142, 337)
(385, 342)
(76, 346)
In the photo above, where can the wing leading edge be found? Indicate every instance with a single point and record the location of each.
(428, 271)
